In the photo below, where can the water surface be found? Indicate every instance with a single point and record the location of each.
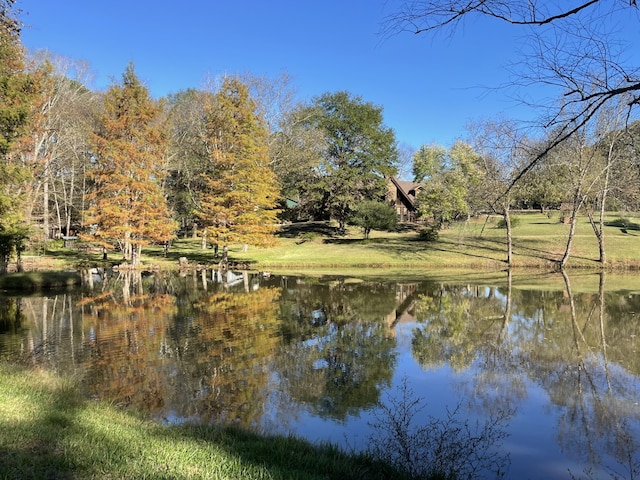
(553, 368)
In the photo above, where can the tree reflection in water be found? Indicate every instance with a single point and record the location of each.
(575, 350)
(276, 351)
(339, 354)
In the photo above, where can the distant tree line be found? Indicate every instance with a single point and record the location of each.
(596, 170)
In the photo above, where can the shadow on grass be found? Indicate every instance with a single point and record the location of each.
(54, 440)
(289, 457)
(204, 257)
(293, 230)
(152, 255)
(473, 247)
(623, 224)
(411, 246)
(35, 448)
(353, 241)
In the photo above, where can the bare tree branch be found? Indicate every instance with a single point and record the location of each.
(430, 15)
(571, 47)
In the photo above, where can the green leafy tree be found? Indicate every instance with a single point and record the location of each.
(372, 214)
(128, 204)
(239, 203)
(361, 152)
(18, 90)
(452, 182)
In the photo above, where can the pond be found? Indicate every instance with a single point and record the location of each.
(531, 376)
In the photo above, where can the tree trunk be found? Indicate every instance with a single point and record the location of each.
(572, 231)
(19, 266)
(45, 209)
(224, 263)
(601, 248)
(68, 202)
(598, 228)
(486, 220)
(136, 254)
(84, 195)
(507, 222)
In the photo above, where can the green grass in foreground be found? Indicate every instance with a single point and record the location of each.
(47, 431)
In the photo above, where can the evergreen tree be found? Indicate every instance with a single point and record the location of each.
(241, 195)
(18, 90)
(128, 205)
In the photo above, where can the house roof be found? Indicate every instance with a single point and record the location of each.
(407, 189)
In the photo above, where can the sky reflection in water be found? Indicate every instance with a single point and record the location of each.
(316, 356)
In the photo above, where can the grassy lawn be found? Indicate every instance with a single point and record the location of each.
(538, 242)
(47, 431)
(478, 244)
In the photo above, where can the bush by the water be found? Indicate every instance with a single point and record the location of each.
(428, 447)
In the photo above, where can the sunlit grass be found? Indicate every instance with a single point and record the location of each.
(48, 431)
(539, 241)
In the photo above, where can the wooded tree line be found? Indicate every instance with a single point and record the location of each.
(227, 162)
(230, 161)
(596, 170)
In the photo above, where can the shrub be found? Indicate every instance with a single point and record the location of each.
(448, 448)
(502, 223)
(307, 237)
(429, 234)
(372, 215)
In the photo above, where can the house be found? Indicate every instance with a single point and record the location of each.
(403, 194)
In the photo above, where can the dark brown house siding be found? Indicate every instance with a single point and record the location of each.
(402, 195)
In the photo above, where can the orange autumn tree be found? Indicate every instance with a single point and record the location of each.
(128, 207)
(239, 202)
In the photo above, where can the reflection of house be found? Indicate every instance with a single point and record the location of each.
(403, 195)
(405, 309)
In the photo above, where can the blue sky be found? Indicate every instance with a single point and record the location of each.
(429, 88)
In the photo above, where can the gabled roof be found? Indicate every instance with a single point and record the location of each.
(407, 190)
